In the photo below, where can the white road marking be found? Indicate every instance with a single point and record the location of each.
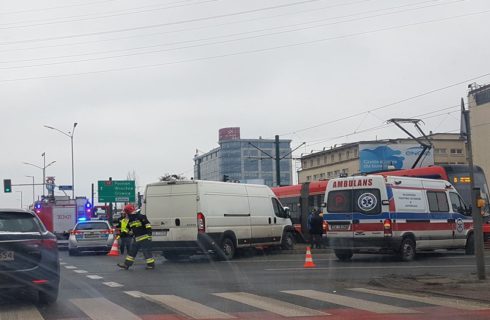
(135, 294)
(80, 271)
(94, 277)
(103, 309)
(20, 313)
(438, 301)
(345, 301)
(282, 308)
(375, 267)
(187, 307)
(70, 267)
(113, 284)
(62, 263)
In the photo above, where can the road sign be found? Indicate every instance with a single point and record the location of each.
(65, 188)
(116, 191)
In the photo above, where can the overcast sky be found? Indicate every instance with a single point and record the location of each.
(150, 81)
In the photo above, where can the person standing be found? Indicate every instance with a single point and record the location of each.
(124, 236)
(316, 230)
(139, 225)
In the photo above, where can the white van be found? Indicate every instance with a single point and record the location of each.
(395, 214)
(189, 217)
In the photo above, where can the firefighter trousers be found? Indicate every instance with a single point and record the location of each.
(145, 246)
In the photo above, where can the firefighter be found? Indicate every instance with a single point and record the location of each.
(141, 228)
(124, 236)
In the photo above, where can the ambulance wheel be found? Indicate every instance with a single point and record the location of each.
(407, 250)
(287, 241)
(344, 255)
(226, 249)
(470, 245)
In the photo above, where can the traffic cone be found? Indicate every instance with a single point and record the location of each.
(309, 259)
(115, 249)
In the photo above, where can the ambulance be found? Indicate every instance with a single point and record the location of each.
(400, 215)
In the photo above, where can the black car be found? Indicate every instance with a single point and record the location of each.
(28, 255)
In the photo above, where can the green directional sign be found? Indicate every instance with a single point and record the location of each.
(116, 191)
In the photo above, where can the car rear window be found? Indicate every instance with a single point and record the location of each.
(92, 226)
(18, 222)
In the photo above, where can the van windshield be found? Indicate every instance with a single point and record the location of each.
(366, 201)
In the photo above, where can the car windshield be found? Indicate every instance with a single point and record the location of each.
(92, 226)
(156, 144)
(17, 222)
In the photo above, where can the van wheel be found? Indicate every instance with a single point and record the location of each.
(470, 245)
(407, 250)
(227, 249)
(287, 241)
(343, 255)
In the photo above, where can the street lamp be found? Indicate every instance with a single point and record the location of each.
(43, 168)
(33, 190)
(69, 135)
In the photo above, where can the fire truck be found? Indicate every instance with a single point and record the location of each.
(60, 213)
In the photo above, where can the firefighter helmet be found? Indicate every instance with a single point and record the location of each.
(129, 208)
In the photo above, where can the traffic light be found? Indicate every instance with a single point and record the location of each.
(7, 185)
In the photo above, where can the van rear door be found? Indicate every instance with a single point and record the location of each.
(339, 215)
(172, 211)
(367, 222)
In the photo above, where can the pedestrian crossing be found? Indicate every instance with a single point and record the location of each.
(287, 304)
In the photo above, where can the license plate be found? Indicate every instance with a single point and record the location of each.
(91, 235)
(159, 233)
(336, 227)
(6, 256)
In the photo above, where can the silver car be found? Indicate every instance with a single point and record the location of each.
(91, 236)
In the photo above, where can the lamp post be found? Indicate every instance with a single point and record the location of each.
(33, 190)
(21, 204)
(43, 168)
(69, 135)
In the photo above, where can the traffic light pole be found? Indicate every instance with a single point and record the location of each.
(475, 211)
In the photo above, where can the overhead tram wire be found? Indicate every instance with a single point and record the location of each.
(379, 127)
(206, 27)
(233, 40)
(252, 52)
(172, 5)
(219, 16)
(219, 37)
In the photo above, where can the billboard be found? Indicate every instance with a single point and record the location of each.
(381, 156)
(232, 133)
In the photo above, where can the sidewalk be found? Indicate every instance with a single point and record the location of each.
(461, 286)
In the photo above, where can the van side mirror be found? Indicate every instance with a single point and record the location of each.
(323, 205)
(287, 212)
(468, 211)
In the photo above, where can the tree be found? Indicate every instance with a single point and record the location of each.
(172, 177)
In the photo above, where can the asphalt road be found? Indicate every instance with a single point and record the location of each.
(269, 285)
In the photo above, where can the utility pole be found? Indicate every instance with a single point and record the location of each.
(475, 211)
(277, 158)
(278, 163)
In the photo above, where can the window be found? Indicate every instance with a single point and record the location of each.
(322, 176)
(18, 222)
(355, 153)
(366, 201)
(437, 201)
(315, 177)
(457, 151)
(340, 156)
(325, 158)
(318, 161)
(92, 226)
(347, 155)
(457, 203)
(332, 158)
(339, 201)
(336, 173)
(278, 209)
(311, 163)
(308, 178)
(305, 164)
(440, 151)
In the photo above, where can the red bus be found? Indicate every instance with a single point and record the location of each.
(302, 198)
